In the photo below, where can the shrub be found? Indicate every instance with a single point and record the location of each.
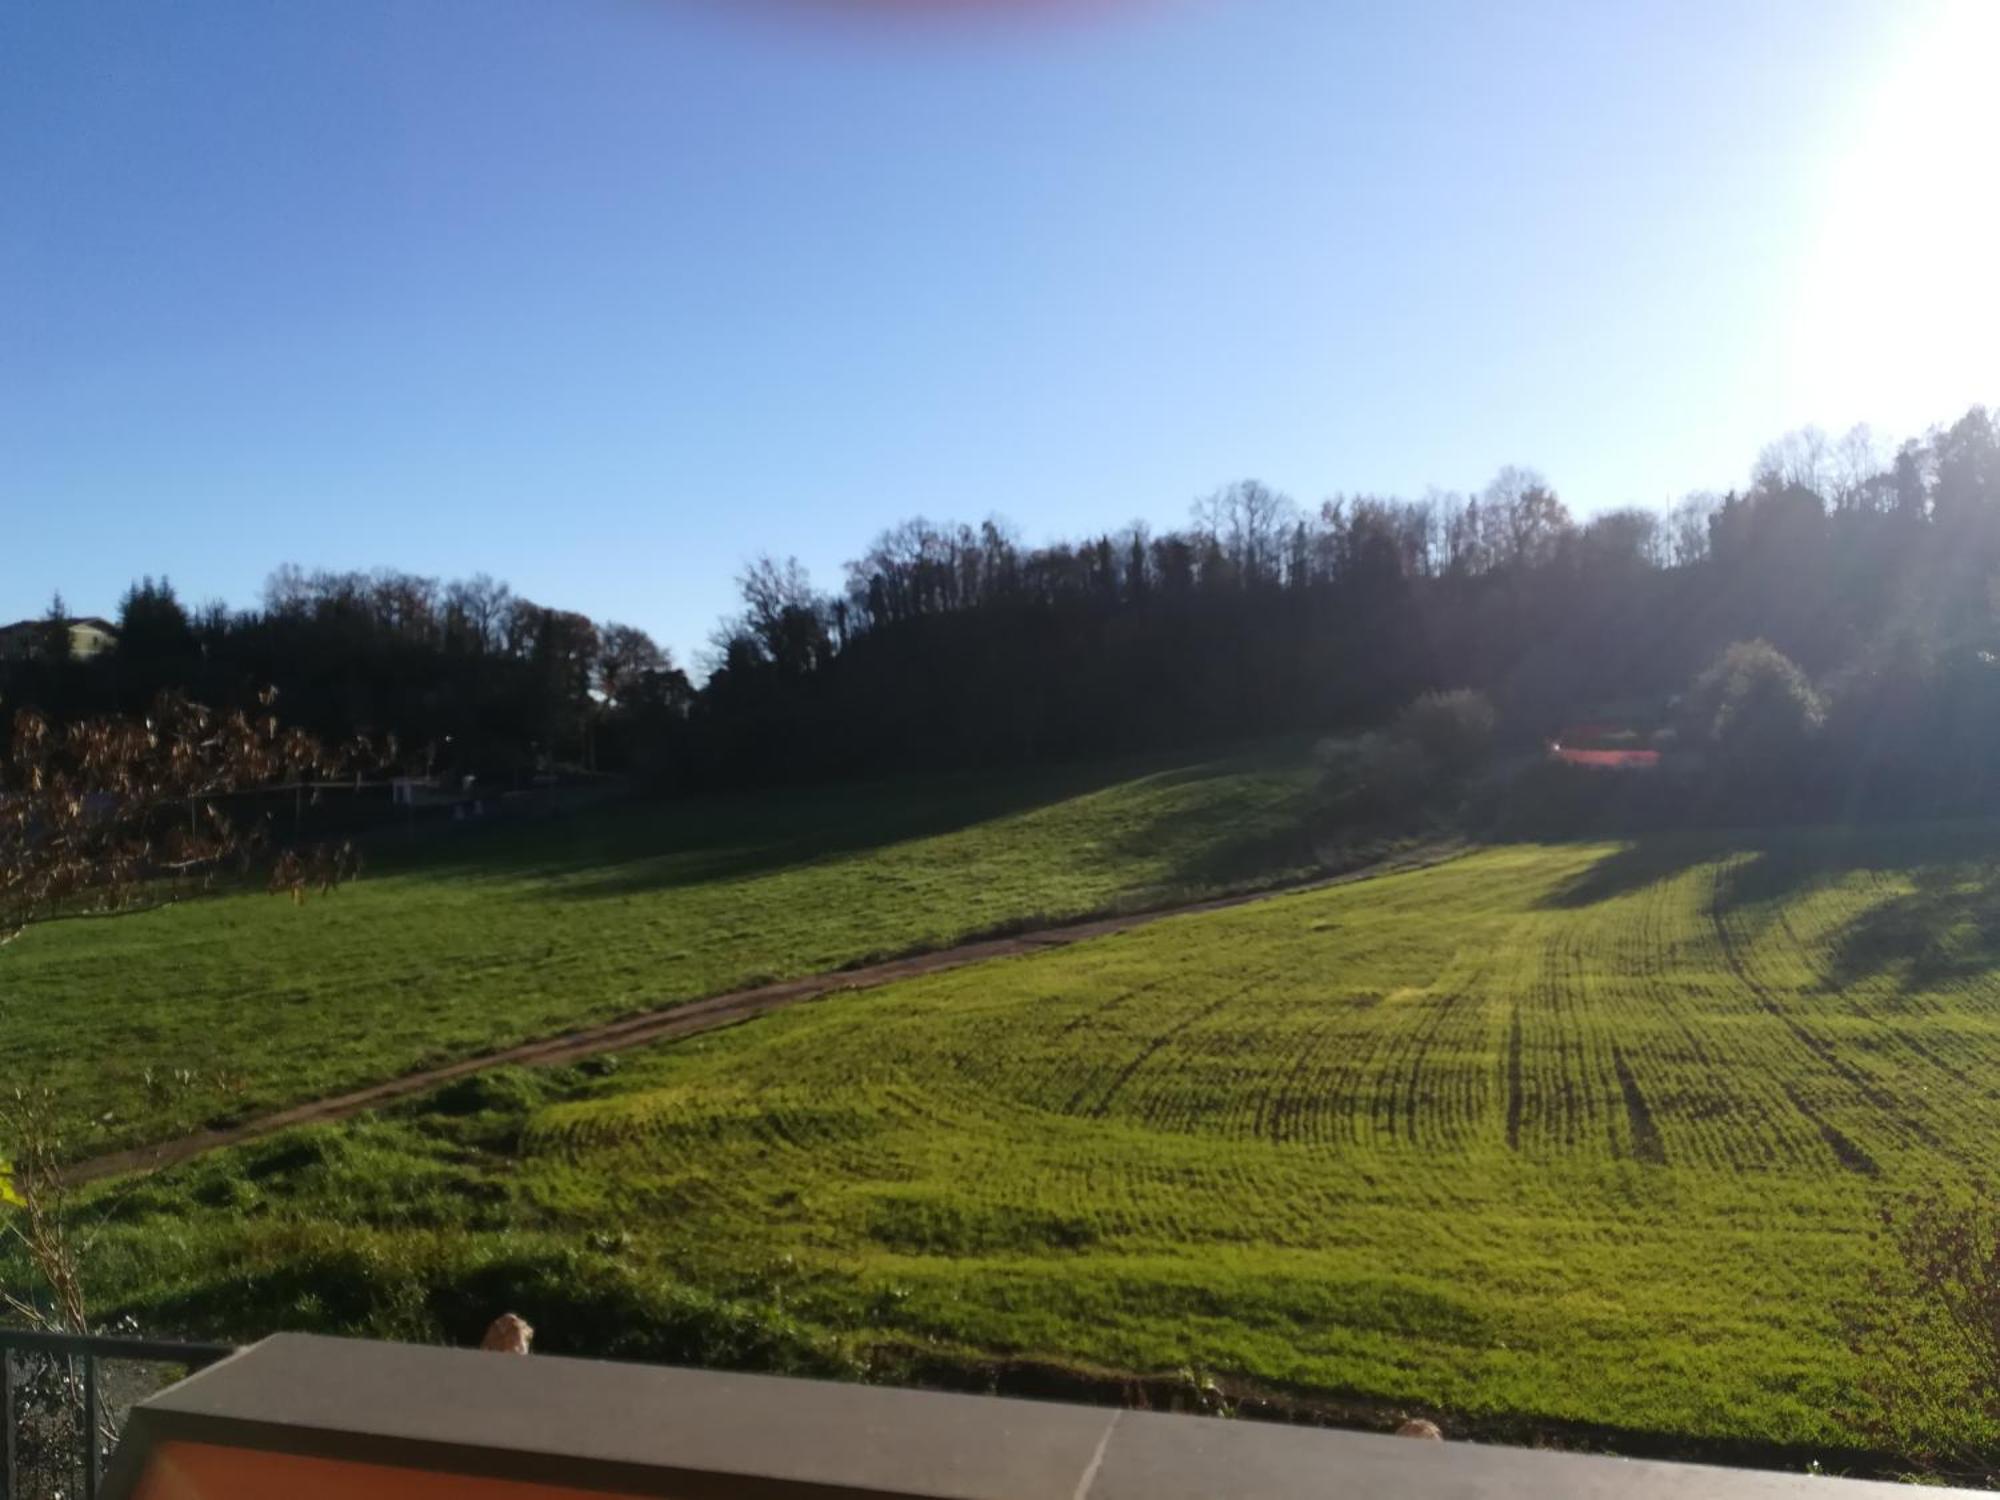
(1373, 781)
(1755, 714)
(1546, 799)
(1416, 769)
(1454, 730)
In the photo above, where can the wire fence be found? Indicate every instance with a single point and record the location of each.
(63, 1401)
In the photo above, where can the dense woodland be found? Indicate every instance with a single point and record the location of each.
(1876, 575)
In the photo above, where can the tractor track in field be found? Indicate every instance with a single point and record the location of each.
(712, 1013)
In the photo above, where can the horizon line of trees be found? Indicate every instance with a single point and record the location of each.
(952, 644)
(1877, 574)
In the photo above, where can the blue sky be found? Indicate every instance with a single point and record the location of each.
(604, 297)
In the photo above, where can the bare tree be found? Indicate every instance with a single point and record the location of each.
(626, 657)
(1455, 535)
(1521, 517)
(406, 604)
(1856, 466)
(1624, 540)
(104, 813)
(1687, 528)
(1248, 521)
(477, 607)
(287, 591)
(786, 625)
(1801, 459)
(770, 588)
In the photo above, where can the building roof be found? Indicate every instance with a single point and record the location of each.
(304, 1416)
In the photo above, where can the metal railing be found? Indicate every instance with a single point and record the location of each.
(55, 1419)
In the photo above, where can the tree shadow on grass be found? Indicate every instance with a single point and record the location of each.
(1232, 854)
(1773, 863)
(1944, 929)
(689, 840)
(1939, 924)
(1257, 830)
(686, 843)
(1638, 864)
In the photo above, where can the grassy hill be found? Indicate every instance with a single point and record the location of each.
(476, 937)
(1574, 1134)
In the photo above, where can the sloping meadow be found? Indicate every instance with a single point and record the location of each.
(468, 938)
(1588, 1135)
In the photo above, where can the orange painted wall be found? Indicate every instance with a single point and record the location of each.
(202, 1471)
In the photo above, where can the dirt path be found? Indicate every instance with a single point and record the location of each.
(692, 1016)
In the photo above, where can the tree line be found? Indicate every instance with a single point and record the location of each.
(462, 676)
(1876, 575)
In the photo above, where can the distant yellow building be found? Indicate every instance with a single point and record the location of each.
(88, 636)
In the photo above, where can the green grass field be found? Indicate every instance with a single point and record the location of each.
(1573, 1134)
(473, 938)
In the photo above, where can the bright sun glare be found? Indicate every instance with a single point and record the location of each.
(1899, 317)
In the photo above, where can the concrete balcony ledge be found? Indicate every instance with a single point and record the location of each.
(313, 1418)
